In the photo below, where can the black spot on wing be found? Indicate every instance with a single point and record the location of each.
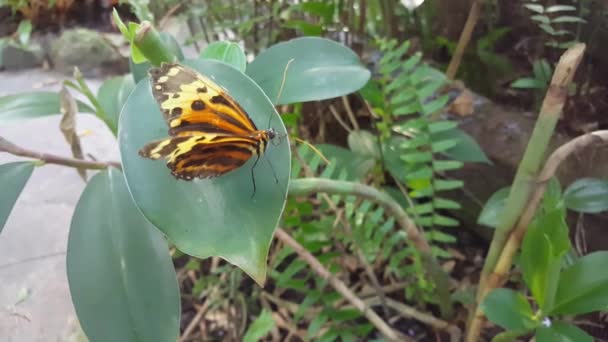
(219, 99)
(176, 111)
(198, 105)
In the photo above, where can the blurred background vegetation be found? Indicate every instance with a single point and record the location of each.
(492, 98)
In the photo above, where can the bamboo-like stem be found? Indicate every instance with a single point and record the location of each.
(526, 176)
(148, 41)
(463, 41)
(9, 147)
(339, 286)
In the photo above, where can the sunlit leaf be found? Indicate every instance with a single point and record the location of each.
(307, 69)
(34, 105)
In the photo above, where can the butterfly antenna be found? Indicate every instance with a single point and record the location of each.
(312, 147)
(282, 86)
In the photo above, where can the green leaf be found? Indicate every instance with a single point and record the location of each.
(544, 246)
(446, 165)
(435, 105)
(120, 273)
(509, 309)
(33, 105)
(227, 52)
(541, 19)
(542, 71)
(259, 328)
(121, 25)
(24, 31)
(587, 195)
(527, 83)
(535, 8)
(583, 286)
(490, 214)
(442, 126)
(209, 217)
(467, 150)
(309, 68)
(304, 26)
(568, 19)
(112, 95)
(372, 93)
(559, 8)
(441, 184)
(444, 145)
(13, 177)
(364, 144)
(319, 8)
(562, 332)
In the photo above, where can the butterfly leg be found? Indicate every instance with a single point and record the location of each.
(276, 179)
(252, 175)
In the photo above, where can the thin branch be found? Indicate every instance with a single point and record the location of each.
(339, 286)
(338, 118)
(350, 113)
(410, 312)
(465, 37)
(9, 147)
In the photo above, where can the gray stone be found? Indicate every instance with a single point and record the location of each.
(18, 58)
(84, 49)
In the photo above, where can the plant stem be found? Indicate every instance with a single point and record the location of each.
(526, 176)
(463, 41)
(306, 186)
(9, 147)
(339, 286)
(148, 41)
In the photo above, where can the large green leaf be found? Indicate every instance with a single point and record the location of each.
(314, 69)
(209, 217)
(227, 52)
(121, 276)
(583, 286)
(587, 195)
(112, 95)
(509, 309)
(33, 105)
(13, 177)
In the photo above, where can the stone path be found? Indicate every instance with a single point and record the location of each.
(35, 303)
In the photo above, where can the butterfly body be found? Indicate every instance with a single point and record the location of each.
(210, 134)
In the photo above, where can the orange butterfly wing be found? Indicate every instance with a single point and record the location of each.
(210, 134)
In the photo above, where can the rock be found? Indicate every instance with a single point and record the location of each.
(15, 57)
(88, 51)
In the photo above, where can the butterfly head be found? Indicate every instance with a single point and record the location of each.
(271, 133)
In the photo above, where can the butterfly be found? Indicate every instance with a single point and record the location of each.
(210, 134)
